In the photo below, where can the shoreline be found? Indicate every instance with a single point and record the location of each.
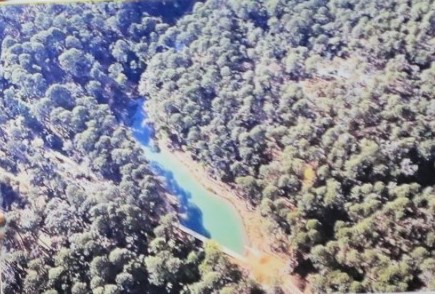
(259, 241)
(253, 223)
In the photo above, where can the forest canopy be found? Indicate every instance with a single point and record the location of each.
(321, 112)
(84, 211)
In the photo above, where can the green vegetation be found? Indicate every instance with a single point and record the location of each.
(321, 112)
(84, 212)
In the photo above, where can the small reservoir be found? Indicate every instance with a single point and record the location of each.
(200, 209)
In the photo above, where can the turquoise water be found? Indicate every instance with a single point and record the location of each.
(201, 210)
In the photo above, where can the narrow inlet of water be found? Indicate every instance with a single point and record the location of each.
(201, 210)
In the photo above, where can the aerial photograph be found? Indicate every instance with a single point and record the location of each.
(217, 146)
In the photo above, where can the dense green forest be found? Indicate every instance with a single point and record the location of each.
(84, 212)
(321, 113)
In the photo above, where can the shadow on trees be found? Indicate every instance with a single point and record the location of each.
(8, 196)
(304, 268)
(170, 10)
(424, 175)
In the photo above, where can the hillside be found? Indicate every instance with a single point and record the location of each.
(84, 211)
(322, 113)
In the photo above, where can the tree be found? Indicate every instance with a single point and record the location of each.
(79, 288)
(60, 96)
(100, 267)
(163, 268)
(75, 62)
(125, 282)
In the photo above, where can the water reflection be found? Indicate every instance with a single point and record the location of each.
(191, 214)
